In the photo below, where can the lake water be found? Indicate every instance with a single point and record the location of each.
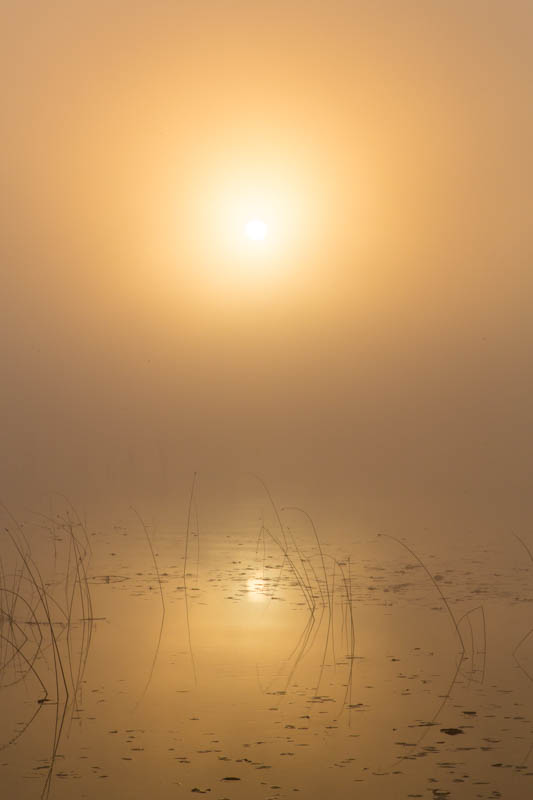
(261, 662)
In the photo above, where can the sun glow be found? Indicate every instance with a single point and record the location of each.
(247, 221)
(246, 216)
(252, 217)
(256, 230)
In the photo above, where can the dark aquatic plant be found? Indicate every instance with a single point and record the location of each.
(37, 626)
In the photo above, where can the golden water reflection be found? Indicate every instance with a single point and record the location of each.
(257, 590)
(253, 674)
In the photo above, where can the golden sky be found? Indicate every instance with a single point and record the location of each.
(378, 342)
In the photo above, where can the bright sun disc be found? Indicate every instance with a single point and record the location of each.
(256, 230)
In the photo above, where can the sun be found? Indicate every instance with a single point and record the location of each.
(254, 221)
(256, 230)
(248, 221)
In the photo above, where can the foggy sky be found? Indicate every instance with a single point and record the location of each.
(388, 376)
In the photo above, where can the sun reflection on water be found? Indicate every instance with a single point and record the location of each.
(256, 589)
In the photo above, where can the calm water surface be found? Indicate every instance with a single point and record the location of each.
(247, 664)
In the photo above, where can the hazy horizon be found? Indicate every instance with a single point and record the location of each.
(379, 367)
